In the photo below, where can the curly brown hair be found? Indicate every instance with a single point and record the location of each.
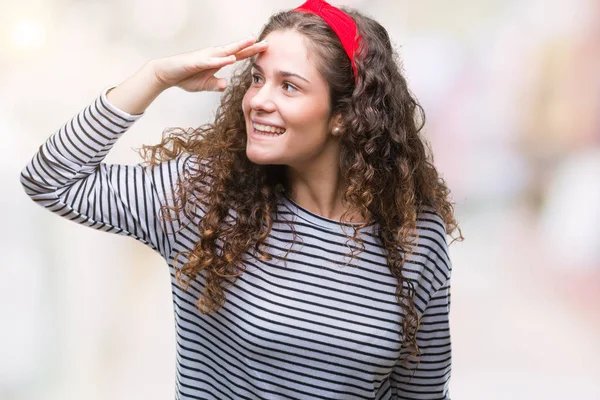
(388, 166)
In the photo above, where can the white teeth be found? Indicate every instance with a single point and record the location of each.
(268, 134)
(267, 128)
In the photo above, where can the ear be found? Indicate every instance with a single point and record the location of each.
(336, 121)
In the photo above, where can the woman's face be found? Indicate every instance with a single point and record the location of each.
(288, 92)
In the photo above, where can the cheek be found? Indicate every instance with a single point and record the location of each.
(308, 116)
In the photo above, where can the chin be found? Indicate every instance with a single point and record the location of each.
(260, 159)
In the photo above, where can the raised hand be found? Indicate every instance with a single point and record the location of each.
(194, 71)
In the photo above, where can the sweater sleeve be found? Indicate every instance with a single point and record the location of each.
(67, 176)
(430, 378)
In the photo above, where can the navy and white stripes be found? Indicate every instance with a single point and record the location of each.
(310, 327)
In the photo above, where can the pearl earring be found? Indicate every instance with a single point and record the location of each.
(336, 131)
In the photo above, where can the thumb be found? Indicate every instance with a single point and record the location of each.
(216, 84)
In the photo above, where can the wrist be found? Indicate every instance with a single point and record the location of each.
(149, 71)
(137, 92)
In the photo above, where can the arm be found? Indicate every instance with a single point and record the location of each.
(67, 177)
(433, 268)
(430, 380)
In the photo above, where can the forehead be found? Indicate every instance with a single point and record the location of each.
(287, 51)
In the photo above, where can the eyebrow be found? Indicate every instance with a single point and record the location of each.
(280, 73)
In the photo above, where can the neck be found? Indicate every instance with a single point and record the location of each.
(320, 192)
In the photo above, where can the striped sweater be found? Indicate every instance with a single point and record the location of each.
(307, 328)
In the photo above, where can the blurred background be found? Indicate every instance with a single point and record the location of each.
(512, 94)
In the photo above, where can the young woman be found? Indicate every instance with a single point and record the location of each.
(305, 228)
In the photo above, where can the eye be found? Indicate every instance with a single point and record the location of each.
(290, 85)
(253, 78)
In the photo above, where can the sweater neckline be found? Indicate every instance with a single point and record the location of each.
(316, 219)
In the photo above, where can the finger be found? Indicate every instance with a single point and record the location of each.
(252, 50)
(215, 62)
(232, 48)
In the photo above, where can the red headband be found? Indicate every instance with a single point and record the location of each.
(341, 23)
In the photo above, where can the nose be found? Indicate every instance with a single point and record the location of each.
(262, 99)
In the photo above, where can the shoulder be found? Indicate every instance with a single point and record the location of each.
(192, 165)
(431, 234)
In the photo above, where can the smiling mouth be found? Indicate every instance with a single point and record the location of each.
(267, 131)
